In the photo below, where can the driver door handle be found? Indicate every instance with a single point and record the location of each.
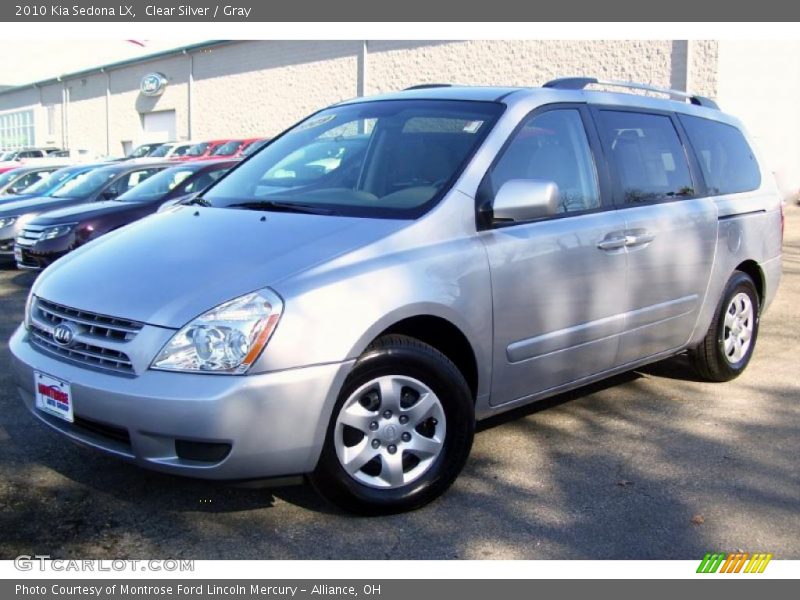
(612, 243)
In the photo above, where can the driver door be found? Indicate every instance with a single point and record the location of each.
(558, 282)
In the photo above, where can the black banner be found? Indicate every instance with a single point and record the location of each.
(409, 10)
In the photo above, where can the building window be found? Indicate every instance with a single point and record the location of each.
(17, 130)
(51, 120)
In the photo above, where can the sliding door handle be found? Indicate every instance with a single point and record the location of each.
(612, 243)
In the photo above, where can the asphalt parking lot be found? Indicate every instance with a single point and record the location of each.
(652, 464)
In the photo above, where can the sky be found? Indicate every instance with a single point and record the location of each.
(35, 60)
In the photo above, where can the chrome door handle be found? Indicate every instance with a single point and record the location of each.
(612, 243)
(639, 239)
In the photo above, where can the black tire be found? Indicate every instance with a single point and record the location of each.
(709, 358)
(402, 356)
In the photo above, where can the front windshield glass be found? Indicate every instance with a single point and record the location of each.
(384, 159)
(160, 151)
(197, 149)
(50, 182)
(8, 177)
(84, 184)
(227, 148)
(141, 151)
(157, 186)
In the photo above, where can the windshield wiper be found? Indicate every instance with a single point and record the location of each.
(197, 200)
(283, 207)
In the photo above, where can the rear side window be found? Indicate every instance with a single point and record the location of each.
(648, 155)
(726, 160)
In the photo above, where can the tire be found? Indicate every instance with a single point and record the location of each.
(717, 358)
(415, 382)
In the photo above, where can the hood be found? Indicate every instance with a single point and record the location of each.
(35, 205)
(85, 211)
(170, 267)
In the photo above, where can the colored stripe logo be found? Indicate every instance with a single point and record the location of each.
(738, 562)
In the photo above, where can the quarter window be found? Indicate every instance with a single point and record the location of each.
(552, 146)
(648, 155)
(726, 160)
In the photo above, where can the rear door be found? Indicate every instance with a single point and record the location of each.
(670, 228)
(558, 283)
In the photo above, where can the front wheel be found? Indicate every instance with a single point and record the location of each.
(400, 432)
(731, 338)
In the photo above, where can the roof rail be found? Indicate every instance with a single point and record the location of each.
(425, 86)
(579, 83)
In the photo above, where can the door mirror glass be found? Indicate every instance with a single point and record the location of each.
(525, 200)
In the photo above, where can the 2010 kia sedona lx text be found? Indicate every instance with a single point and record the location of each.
(349, 300)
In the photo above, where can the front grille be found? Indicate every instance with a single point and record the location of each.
(98, 326)
(90, 346)
(29, 236)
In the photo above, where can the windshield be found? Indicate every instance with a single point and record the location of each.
(197, 149)
(227, 149)
(141, 151)
(384, 159)
(181, 150)
(50, 182)
(156, 186)
(160, 151)
(8, 177)
(84, 184)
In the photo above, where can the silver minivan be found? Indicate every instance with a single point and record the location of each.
(348, 301)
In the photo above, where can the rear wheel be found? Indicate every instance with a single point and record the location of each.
(731, 338)
(400, 432)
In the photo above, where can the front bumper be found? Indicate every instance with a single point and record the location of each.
(43, 253)
(275, 423)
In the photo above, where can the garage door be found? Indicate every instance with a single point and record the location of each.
(159, 126)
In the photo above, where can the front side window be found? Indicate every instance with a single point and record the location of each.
(650, 160)
(552, 146)
(227, 148)
(726, 159)
(384, 159)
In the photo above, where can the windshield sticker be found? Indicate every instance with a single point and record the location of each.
(311, 123)
(472, 126)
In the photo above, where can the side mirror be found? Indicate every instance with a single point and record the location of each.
(524, 200)
(108, 195)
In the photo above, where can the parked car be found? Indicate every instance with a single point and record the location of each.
(53, 234)
(234, 148)
(49, 184)
(143, 150)
(201, 150)
(171, 150)
(104, 183)
(352, 320)
(16, 181)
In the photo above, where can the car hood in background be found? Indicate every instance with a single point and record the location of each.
(171, 267)
(36, 205)
(91, 210)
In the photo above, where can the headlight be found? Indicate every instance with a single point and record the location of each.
(6, 221)
(227, 339)
(57, 231)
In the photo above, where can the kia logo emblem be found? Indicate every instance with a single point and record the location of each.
(63, 334)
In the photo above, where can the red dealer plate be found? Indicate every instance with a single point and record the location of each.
(53, 396)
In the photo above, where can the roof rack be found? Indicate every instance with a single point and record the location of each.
(579, 83)
(425, 86)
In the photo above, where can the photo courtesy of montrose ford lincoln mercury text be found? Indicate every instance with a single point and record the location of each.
(346, 302)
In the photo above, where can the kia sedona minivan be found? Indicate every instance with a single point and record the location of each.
(347, 302)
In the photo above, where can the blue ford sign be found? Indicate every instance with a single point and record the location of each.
(153, 84)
